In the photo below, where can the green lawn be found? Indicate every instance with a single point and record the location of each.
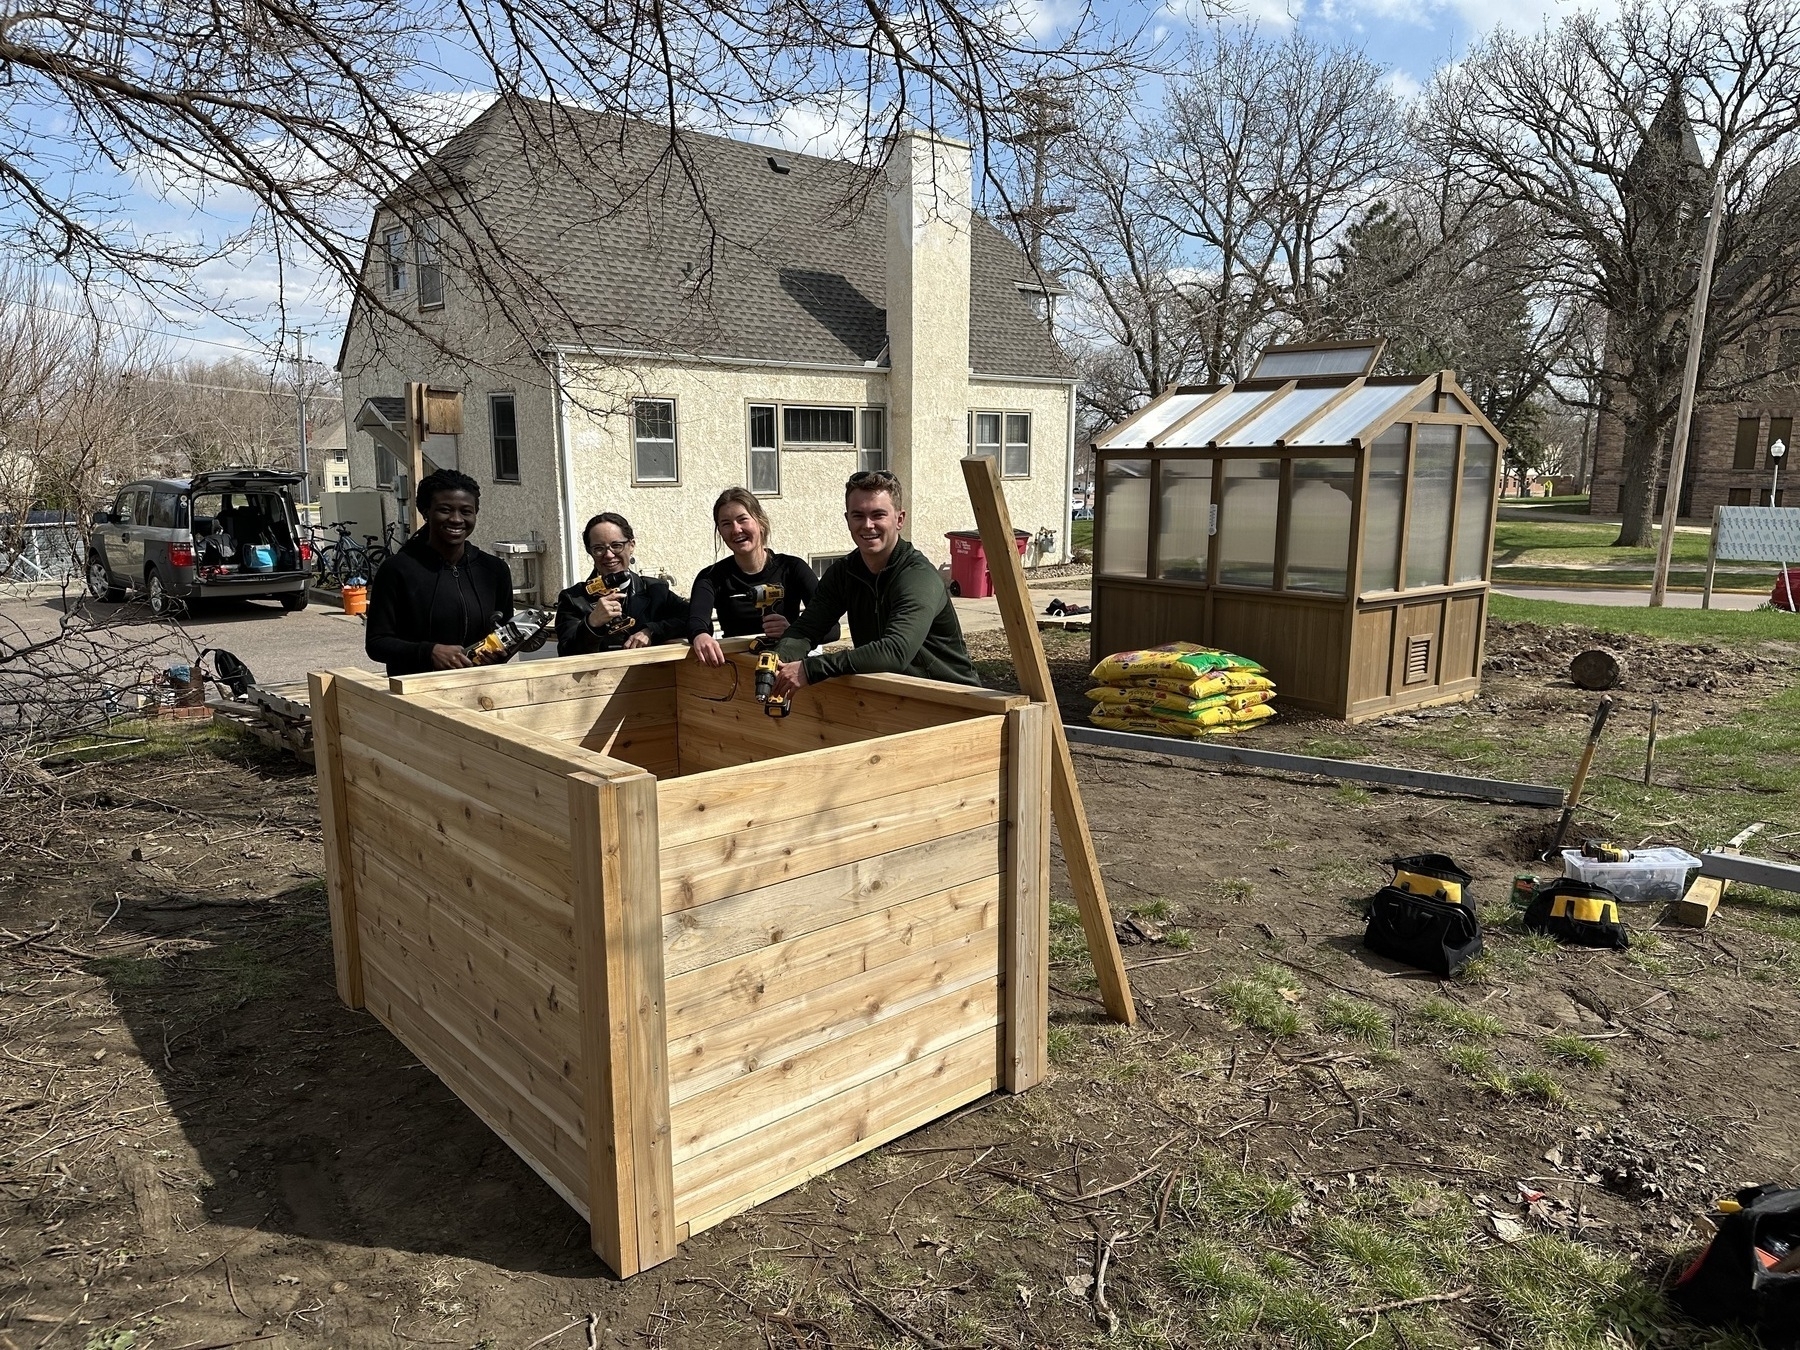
(1678, 624)
(1081, 534)
(1537, 543)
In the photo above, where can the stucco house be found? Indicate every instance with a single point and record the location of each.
(637, 326)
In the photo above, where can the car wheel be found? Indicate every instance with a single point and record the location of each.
(162, 603)
(99, 582)
(294, 602)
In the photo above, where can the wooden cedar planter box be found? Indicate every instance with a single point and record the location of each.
(682, 956)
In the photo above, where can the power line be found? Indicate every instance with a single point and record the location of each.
(143, 328)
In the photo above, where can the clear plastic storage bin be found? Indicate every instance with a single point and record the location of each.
(1652, 873)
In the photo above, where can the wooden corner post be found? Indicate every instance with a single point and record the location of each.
(1029, 755)
(624, 1048)
(1008, 573)
(340, 874)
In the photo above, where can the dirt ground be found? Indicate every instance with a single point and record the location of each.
(200, 1147)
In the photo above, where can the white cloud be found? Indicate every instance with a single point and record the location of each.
(1402, 85)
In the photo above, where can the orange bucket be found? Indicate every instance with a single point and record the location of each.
(356, 599)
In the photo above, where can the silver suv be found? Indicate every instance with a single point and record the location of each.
(233, 532)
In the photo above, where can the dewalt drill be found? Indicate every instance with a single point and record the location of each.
(768, 664)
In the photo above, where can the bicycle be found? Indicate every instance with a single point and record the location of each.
(344, 559)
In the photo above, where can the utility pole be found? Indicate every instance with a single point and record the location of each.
(1690, 378)
(300, 398)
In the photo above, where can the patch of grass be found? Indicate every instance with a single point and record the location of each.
(1708, 1034)
(1356, 1020)
(1304, 1318)
(1568, 1046)
(1537, 1085)
(1478, 1063)
(1234, 888)
(129, 972)
(241, 974)
(1157, 909)
(769, 1281)
(1179, 939)
(1061, 1044)
(1372, 1256)
(1447, 1016)
(1349, 794)
(1673, 624)
(1265, 1002)
(1555, 1294)
(1209, 1270)
(1223, 1197)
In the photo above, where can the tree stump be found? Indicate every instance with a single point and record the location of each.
(1596, 670)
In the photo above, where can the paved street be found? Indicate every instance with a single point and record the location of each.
(1628, 598)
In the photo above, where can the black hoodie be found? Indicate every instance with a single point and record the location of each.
(418, 600)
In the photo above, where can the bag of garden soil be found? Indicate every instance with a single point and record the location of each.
(1749, 1273)
(1172, 660)
(1577, 915)
(1440, 936)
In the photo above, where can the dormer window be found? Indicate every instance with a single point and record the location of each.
(393, 245)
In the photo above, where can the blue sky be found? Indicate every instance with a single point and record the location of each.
(1409, 39)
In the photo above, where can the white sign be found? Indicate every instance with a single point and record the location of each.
(1759, 533)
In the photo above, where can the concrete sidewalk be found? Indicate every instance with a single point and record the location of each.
(1627, 598)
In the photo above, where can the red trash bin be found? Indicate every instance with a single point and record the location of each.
(1785, 594)
(968, 563)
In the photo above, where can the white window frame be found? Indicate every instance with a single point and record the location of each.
(786, 440)
(1008, 445)
(999, 448)
(673, 442)
(771, 454)
(428, 256)
(871, 460)
(393, 247)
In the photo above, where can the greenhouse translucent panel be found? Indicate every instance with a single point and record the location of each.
(1381, 517)
(1319, 525)
(1158, 420)
(1281, 417)
(1355, 414)
(1249, 505)
(1182, 536)
(1204, 428)
(1319, 361)
(1428, 525)
(1125, 510)
(1474, 507)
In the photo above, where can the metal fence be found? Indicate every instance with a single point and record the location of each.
(41, 552)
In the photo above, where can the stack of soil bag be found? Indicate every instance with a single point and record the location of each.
(1179, 689)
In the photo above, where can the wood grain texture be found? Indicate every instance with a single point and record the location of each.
(574, 670)
(797, 1022)
(340, 884)
(983, 479)
(529, 684)
(701, 935)
(1027, 955)
(714, 1185)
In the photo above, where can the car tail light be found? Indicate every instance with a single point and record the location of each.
(306, 555)
(181, 555)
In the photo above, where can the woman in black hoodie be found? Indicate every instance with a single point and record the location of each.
(634, 610)
(439, 594)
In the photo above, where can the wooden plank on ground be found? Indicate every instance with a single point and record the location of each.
(995, 522)
(1027, 954)
(340, 875)
(1227, 751)
(729, 1179)
(703, 806)
(752, 919)
(1697, 907)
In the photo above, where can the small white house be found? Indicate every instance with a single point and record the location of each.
(726, 315)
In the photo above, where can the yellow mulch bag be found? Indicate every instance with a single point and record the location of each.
(1152, 725)
(1129, 698)
(1172, 660)
(1217, 682)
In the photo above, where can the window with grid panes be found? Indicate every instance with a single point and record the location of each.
(984, 435)
(394, 245)
(653, 443)
(765, 453)
(503, 430)
(873, 457)
(431, 266)
(1015, 454)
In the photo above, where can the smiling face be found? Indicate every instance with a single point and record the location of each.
(451, 519)
(741, 531)
(874, 524)
(609, 548)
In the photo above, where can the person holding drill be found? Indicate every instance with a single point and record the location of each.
(901, 618)
(616, 609)
(729, 587)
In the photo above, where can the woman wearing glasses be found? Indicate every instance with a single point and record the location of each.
(628, 610)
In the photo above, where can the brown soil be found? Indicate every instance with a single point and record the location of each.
(201, 1146)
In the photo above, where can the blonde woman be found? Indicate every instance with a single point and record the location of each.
(727, 587)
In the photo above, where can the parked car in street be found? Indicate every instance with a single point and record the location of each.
(231, 532)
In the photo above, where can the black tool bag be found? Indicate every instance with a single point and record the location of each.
(1422, 931)
(1433, 874)
(1733, 1280)
(1577, 915)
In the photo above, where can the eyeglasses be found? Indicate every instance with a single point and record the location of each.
(618, 550)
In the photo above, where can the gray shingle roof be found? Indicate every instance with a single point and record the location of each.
(752, 264)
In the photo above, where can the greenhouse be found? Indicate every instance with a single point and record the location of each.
(1334, 525)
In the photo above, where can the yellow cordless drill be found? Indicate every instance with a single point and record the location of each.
(768, 664)
(601, 587)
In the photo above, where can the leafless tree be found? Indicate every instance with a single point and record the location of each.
(1611, 134)
(314, 114)
(195, 415)
(1204, 226)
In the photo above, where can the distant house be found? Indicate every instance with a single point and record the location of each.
(769, 327)
(327, 456)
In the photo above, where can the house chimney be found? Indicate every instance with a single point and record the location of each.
(928, 331)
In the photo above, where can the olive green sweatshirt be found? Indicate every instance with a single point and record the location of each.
(901, 621)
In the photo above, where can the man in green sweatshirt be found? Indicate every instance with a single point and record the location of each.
(901, 618)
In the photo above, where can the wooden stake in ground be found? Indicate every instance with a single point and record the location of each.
(1650, 745)
(1027, 647)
